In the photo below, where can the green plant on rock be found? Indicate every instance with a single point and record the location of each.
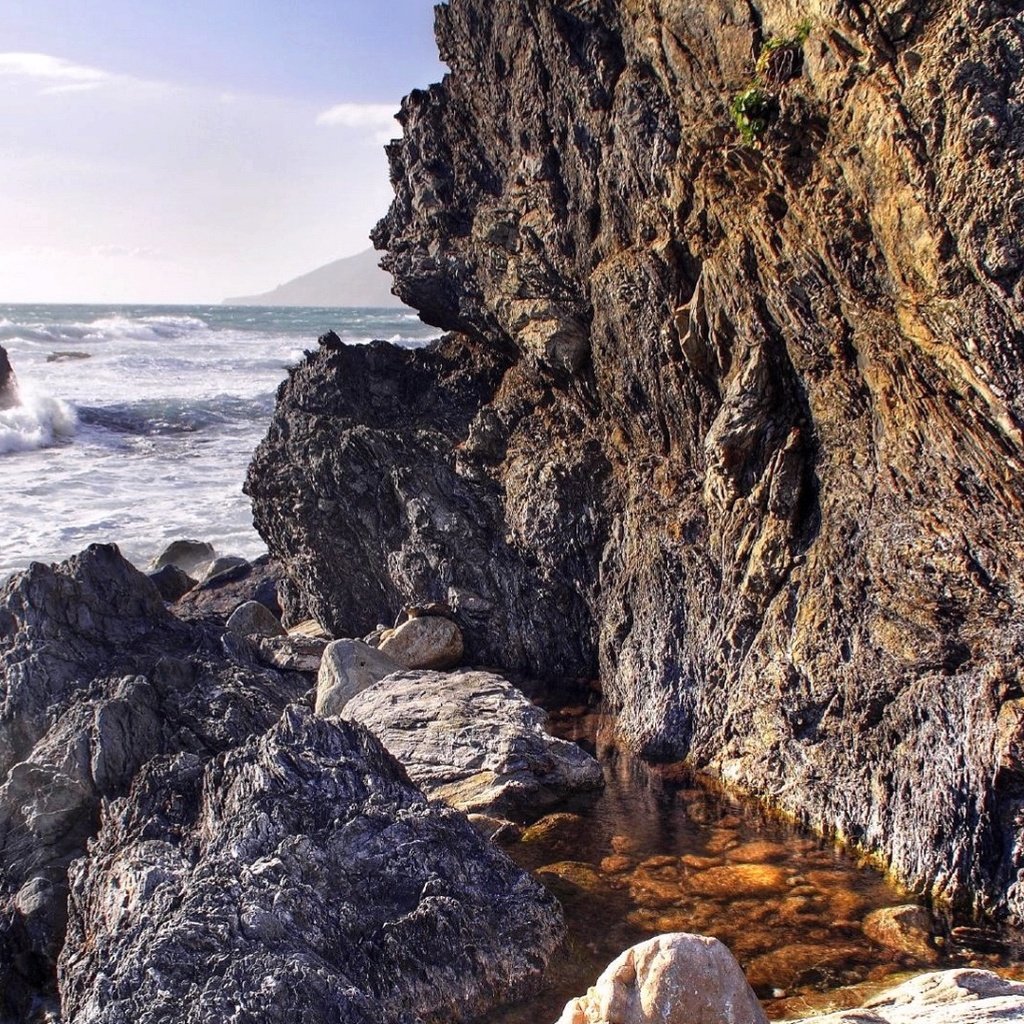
(778, 61)
(752, 111)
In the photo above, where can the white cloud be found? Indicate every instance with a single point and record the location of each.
(380, 116)
(54, 75)
(61, 75)
(138, 252)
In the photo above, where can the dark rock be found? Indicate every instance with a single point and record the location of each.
(226, 569)
(474, 741)
(190, 556)
(220, 595)
(172, 582)
(300, 877)
(8, 382)
(96, 678)
(738, 426)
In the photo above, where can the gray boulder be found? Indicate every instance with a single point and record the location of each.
(427, 641)
(188, 555)
(960, 996)
(298, 878)
(254, 619)
(96, 679)
(348, 668)
(474, 741)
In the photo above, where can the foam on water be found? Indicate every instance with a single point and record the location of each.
(37, 421)
(137, 424)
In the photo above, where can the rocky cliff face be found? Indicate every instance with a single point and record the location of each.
(736, 423)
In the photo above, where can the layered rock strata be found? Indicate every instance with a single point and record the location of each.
(96, 679)
(737, 424)
(298, 877)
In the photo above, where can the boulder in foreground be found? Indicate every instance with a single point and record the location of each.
(671, 979)
(298, 878)
(474, 741)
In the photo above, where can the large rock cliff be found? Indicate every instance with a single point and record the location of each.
(734, 421)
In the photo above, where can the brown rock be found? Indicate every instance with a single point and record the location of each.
(758, 852)
(737, 880)
(906, 929)
(424, 642)
(569, 877)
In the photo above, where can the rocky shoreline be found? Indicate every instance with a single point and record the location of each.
(728, 417)
(168, 788)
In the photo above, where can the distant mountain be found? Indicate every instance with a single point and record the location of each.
(353, 281)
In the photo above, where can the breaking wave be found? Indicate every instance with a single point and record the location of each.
(38, 421)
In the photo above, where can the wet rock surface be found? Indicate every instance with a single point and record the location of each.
(8, 394)
(738, 426)
(96, 679)
(472, 740)
(298, 877)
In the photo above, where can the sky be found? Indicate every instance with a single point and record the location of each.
(178, 151)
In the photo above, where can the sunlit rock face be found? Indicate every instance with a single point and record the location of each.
(735, 424)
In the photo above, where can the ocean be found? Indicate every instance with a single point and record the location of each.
(137, 423)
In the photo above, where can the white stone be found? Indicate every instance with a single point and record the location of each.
(671, 979)
(348, 667)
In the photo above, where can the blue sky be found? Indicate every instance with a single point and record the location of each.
(183, 151)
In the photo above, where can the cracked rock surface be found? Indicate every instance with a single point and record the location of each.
(737, 427)
(299, 877)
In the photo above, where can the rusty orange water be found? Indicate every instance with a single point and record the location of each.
(660, 851)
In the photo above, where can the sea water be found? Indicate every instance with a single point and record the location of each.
(136, 423)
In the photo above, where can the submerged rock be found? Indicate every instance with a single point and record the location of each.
(906, 929)
(299, 877)
(671, 979)
(474, 741)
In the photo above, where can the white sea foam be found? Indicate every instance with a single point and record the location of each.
(38, 421)
(169, 405)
